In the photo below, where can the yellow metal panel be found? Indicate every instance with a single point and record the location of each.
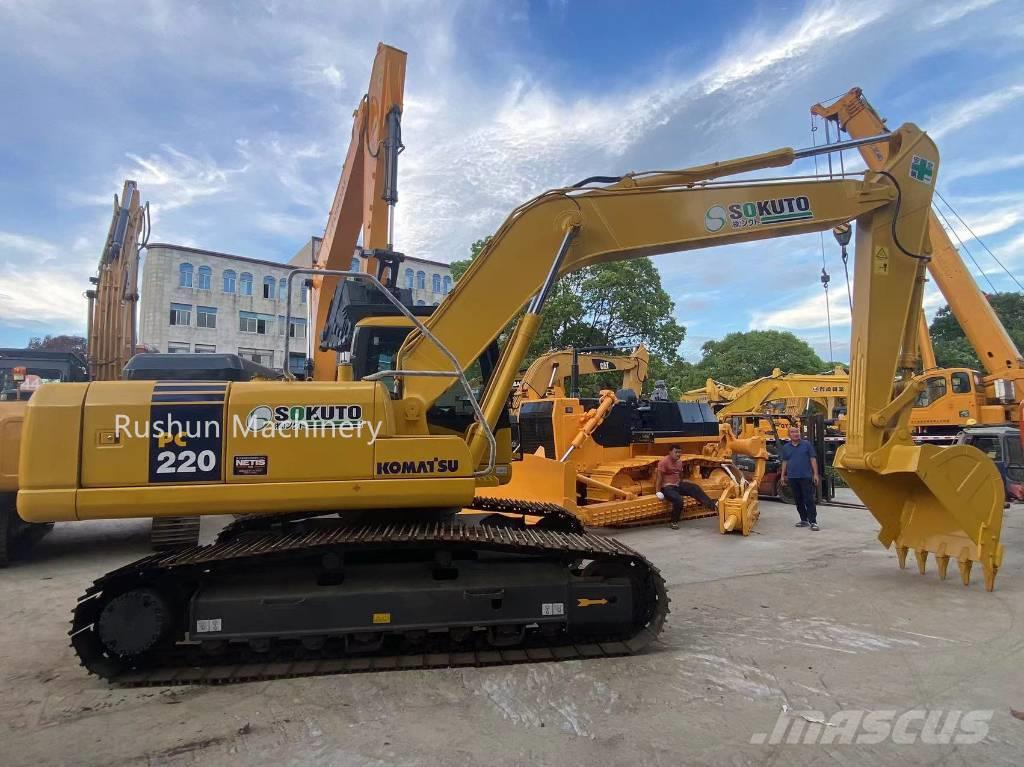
(11, 416)
(51, 437)
(432, 456)
(264, 419)
(115, 436)
(272, 497)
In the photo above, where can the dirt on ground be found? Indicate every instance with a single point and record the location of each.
(788, 631)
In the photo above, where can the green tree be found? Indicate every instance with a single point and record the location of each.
(59, 344)
(742, 357)
(951, 346)
(620, 304)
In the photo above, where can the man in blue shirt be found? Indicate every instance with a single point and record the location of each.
(800, 468)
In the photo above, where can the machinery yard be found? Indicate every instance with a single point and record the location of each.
(784, 619)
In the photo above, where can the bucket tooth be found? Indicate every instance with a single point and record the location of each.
(730, 523)
(965, 571)
(901, 555)
(990, 575)
(943, 562)
(922, 560)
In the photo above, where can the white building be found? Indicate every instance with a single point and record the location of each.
(200, 301)
(196, 300)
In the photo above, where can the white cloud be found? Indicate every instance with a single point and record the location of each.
(806, 313)
(174, 179)
(27, 246)
(959, 10)
(954, 117)
(983, 167)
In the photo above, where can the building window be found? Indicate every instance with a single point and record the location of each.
(421, 303)
(447, 285)
(250, 322)
(282, 290)
(181, 314)
(421, 280)
(296, 363)
(280, 325)
(435, 283)
(229, 281)
(204, 276)
(206, 316)
(205, 349)
(268, 287)
(185, 275)
(259, 356)
(177, 347)
(245, 284)
(297, 328)
(408, 278)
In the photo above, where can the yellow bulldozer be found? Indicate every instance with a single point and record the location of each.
(353, 555)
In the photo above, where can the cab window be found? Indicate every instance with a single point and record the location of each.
(990, 446)
(935, 389)
(961, 383)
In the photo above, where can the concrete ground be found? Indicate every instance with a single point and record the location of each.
(785, 621)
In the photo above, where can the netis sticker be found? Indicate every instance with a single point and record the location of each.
(250, 465)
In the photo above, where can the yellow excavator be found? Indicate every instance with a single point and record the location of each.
(354, 556)
(952, 398)
(547, 375)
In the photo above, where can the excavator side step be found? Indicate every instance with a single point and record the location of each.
(174, 533)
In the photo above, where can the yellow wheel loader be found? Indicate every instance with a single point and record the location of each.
(354, 556)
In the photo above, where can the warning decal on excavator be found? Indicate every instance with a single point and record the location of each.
(881, 261)
(584, 602)
(922, 169)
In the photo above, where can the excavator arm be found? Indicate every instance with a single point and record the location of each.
(751, 397)
(948, 503)
(549, 371)
(363, 196)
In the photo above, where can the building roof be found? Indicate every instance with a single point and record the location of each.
(215, 254)
(304, 256)
(296, 260)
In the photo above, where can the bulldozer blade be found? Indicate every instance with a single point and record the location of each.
(934, 500)
(538, 479)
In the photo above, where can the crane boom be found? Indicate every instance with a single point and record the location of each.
(996, 350)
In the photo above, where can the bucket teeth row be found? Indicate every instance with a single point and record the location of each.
(942, 558)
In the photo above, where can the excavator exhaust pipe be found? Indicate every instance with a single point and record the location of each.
(945, 501)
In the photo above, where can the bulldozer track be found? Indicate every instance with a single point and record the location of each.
(185, 662)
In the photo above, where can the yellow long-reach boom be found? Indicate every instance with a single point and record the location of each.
(401, 573)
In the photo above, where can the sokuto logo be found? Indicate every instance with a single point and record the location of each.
(715, 218)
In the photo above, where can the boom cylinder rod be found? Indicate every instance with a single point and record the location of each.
(813, 151)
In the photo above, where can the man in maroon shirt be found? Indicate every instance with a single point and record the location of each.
(668, 486)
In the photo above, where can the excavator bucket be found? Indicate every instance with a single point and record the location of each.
(945, 501)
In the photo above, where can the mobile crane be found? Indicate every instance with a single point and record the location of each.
(956, 397)
(399, 580)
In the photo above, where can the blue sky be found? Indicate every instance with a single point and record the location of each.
(234, 119)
